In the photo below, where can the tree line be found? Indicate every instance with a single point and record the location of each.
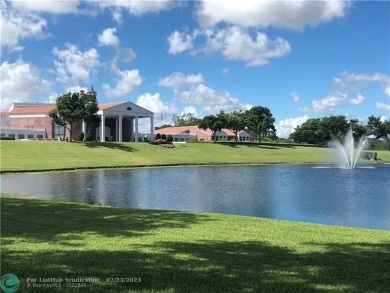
(258, 121)
(321, 130)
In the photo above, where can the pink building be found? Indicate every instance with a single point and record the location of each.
(184, 133)
(119, 122)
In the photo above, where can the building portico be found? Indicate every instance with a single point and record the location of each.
(120, 122)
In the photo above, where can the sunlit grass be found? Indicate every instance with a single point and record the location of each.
(49, 155)
(187, 252)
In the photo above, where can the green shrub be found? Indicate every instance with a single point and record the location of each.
(88, 137)
(80, 136)
(163, 136)
(7, 138)
(169, 138)
(158, 136)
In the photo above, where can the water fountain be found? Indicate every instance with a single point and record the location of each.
(347, 154)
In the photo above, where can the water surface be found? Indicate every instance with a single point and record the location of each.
(359, 197)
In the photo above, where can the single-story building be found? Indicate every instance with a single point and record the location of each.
(184, 133)
(119, 122)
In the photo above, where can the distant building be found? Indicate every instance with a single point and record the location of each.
(184, 133)
(119, 122)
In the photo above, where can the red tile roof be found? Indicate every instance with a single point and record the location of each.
(178, 130)
(44, 109)
(110, 105)
(191, 129)
(32, 110)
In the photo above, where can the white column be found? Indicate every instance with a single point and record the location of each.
(120, 129)
(102, 128)
(136, 129)
(151, 128)
(84, 129)
(117, 129)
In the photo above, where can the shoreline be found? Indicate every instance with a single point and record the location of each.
(77, 169)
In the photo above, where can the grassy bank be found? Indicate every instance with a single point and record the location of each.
(50, 155)
(185, 252)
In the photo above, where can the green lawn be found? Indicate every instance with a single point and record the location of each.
(186, 252)
(49, 155)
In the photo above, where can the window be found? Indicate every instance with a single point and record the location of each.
(21, 136)
(59, 131)
(39, 136)
(30, 136)
(11, 135)
(129, 108)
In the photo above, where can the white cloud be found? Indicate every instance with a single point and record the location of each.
(133, 7)
(352, 82)
(287, 126)
(383, 107)
(190, 110)
(108, 38)
(293, 15)
(234, 43)
(160, 109)
(52, 6)
(295, 97)
(73, 65)
(16, 26)
(21, 82)
(155, 104)
(212, 101)
(179, 42)
(333, 102)
(128, 81)
(178, 80)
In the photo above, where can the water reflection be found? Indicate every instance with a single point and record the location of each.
(359, 197)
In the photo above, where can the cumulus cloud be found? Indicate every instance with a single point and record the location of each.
(108, 38)
(293, 15)
(21, 82)
(178, 80)
(383, 107)
(52, 6)
(212, 101)
(73, 65)
(154, 103)
(333, 102)
(127, 82)
(16, 26)
(287, 126)
(180, 42)
(352, 82)
(233, 43)
(134, 7)
(191, 90)
(190, 110)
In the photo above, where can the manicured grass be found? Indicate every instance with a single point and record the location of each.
(186, 252)
(50, 155)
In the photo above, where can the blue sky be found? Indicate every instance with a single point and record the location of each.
(301, 59)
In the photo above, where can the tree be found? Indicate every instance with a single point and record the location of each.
(236, 121)
(358, 129)
(377, 128)
(260, 121)
(334, 127)
(72, 108)
(186, 119)
(211, 122)
(162, 126)
(308, 132)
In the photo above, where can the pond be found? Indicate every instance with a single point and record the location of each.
(358, 197)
